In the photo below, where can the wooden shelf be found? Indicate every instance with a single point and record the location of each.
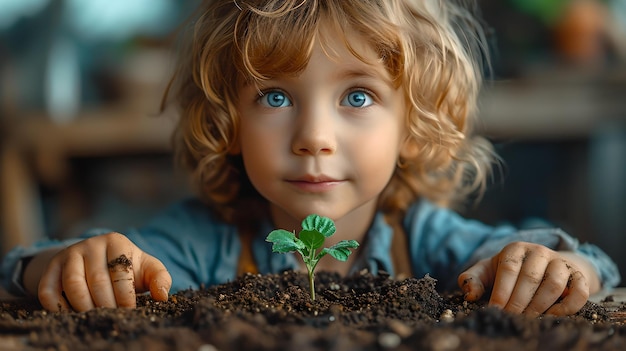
(553, 105)
(38, 150)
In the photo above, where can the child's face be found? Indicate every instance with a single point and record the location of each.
(326, 141)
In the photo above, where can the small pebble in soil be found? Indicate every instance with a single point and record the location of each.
(389, 340)
(447, 316)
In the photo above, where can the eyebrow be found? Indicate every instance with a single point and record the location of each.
(345, 72)
(371, 73)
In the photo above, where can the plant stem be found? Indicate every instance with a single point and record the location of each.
(312, 284)
(311, 269)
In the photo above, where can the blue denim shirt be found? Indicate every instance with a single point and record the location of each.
(198, 249)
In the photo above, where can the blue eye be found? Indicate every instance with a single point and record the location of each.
(275, 99)
(357, 98)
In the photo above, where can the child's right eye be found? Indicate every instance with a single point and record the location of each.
(275, 99)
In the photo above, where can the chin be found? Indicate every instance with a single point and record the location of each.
(298, 213)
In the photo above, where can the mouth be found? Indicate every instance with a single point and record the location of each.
(315, 184)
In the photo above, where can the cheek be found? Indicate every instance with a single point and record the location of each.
(253, 140)
(257, 165)
(377, 157)
(255, 154)
(260, 155)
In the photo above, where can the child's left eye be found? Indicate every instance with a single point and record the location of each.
(357, 98)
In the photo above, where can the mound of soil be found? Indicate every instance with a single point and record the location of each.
(275, 312)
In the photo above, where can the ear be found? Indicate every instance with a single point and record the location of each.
(409, 148)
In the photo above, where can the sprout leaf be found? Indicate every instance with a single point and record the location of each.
(315, 229)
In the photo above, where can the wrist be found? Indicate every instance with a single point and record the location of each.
(33, 268)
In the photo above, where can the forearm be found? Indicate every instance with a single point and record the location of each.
(35, 269)
(586, 269)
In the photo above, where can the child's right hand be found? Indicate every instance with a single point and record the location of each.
(102, 271)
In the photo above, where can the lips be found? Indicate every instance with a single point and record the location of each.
(315, 179)
(315, 184)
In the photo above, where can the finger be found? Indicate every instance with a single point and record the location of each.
(508, 266)
(50, 290)
(120, 267)
(577, 296)
(529, 279)
(553, 284)
(476, 279)
(75, 284)
(154, 277)
(99, 279)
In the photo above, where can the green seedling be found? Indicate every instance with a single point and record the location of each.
(309, 242)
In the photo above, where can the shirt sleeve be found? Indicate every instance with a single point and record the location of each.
(444, 244)
(12, 266)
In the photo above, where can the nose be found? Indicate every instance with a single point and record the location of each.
(315, 133)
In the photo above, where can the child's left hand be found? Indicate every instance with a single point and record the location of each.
(532, 279)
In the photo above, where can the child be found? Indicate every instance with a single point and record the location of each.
(360, 111)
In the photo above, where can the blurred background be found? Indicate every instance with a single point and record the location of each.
(83, 143)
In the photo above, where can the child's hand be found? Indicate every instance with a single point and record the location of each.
(102, 271)
(531, 279)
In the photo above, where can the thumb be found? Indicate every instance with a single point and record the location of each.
(154, 277)
(476, 279)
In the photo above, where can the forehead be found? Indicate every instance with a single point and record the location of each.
(334, 57)
(277, 47)
(337, 41)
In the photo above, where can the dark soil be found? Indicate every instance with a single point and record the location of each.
(275, 312)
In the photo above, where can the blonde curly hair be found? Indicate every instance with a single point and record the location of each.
(434, 50)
